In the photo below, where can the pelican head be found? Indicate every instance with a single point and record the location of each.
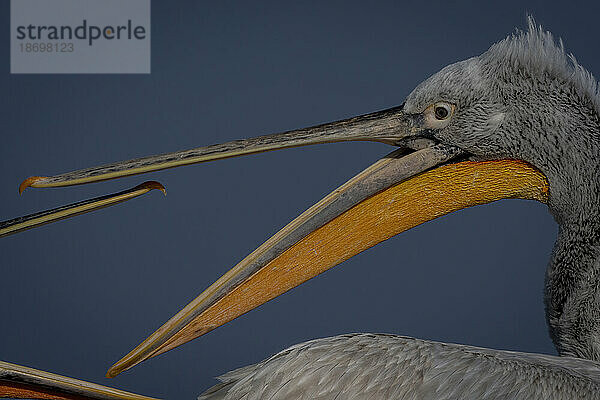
(524, 99)
(519, 121)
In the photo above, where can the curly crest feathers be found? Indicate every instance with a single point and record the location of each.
(537, 52)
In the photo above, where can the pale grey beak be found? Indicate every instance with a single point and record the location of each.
(390, 126)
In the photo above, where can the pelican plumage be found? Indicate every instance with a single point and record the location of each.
(522, 120)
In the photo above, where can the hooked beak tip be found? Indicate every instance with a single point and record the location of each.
(150, 185)
(29, 182)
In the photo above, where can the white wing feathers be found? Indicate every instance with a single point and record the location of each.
(377, 366)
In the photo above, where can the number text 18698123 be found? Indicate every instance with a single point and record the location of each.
(60, 47)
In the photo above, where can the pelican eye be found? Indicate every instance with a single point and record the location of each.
(442, 111)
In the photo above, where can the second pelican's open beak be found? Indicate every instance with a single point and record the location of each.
(18, 382)
(417, 183)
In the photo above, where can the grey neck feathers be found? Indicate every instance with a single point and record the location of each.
(572, 294)
(571, 161)
(555, 125)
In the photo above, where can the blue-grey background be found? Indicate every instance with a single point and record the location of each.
(77, 295)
